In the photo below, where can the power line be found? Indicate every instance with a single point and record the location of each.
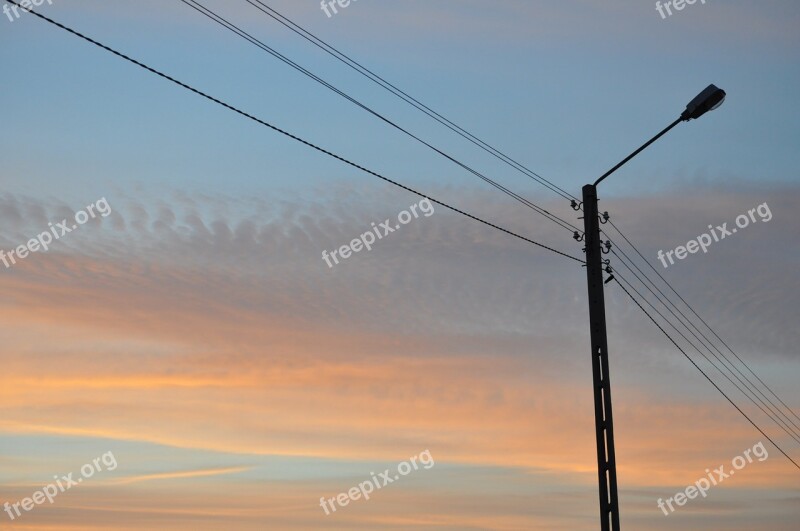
(709, 328)
(377, 79)
(260, 44)
(700, 369)
(366, 72)
(369, 74)
(749, 385)
(292, 136)
(686, 321)
(786, 428)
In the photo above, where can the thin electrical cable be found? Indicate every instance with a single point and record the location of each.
(369, 74)
(261, 45)
(345, 59)
(706, 375)
(707, 343)
(750, 395)
(711, 362)
(611, 222)
(292, 136)
(377, 79)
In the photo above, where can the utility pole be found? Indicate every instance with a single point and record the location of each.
(603, 418)
(711, 98)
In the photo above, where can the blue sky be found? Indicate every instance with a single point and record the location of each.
(567, 100)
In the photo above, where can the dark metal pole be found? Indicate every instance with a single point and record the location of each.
(603, 419)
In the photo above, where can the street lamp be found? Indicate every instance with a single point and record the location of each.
(708, 100)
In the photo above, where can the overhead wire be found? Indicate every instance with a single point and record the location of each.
(197, 6)
(707, 377)
(369, 74)
(751, 395)
(308, 36)
(292, 136)
(706, 342)
(713, 332)
(416, 103)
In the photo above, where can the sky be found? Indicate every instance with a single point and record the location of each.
(192, 346)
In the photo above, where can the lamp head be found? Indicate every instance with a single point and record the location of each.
(708, 100)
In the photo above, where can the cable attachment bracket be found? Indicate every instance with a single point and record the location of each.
(578, 236)
(608, 270)
(606, 247)
(576, 205)
(604, 218)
